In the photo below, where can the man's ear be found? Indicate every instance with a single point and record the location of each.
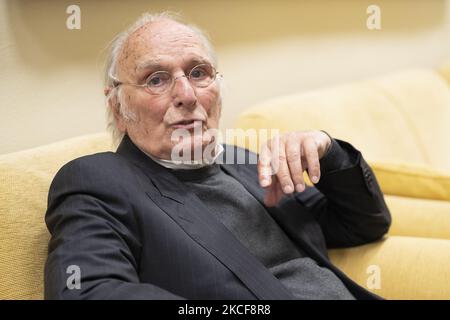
(114, 104)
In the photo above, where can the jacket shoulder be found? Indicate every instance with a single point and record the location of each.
(109, 158)
(97, 171)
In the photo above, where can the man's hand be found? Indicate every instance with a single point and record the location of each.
(286, 157)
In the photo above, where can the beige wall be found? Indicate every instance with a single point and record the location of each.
(50, 77)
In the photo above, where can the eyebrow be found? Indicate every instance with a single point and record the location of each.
(155, 64)
(148, 64)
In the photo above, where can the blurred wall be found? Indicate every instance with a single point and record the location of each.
(51, 77)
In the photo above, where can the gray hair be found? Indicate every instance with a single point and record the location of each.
(114, 50)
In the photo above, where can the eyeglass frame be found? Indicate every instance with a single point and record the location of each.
(215, 73)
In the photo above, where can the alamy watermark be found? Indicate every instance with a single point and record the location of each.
(199, 145)
(73, 21)
(74, 280)
(374, 280)
(373, 21)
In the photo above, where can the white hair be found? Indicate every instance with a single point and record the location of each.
(110, 71)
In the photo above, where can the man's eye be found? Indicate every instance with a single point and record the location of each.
(198, 73)
(155, 81)
(158, 80)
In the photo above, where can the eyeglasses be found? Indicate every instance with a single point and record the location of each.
(201, 76)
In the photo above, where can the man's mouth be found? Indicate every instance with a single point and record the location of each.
(187, 124)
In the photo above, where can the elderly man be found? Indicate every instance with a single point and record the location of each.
(136, 224)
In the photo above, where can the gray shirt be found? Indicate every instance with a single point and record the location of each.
(248, 220)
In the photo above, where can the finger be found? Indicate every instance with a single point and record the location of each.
(273, 194)
(283, 174)
(293, 156)
(270, 195)
(264, 166)
(311, 154)
(279, 193)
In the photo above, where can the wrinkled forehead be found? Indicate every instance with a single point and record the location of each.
(162, 42)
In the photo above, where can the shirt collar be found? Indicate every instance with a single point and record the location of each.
(196, 164)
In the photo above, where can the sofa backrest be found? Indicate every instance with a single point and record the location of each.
(402, 117)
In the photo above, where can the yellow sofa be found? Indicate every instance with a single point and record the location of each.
(400, 122)
(412, 261)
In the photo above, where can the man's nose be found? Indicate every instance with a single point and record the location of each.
(183, 92)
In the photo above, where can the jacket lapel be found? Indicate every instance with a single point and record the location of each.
(188, 211)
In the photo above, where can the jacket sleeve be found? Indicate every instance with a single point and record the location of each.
(347, 201)
(94, 231)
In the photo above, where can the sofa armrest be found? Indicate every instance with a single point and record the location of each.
(419, 217)
(399, 267)
(410, 180)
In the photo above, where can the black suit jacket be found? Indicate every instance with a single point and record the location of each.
(136, 232)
